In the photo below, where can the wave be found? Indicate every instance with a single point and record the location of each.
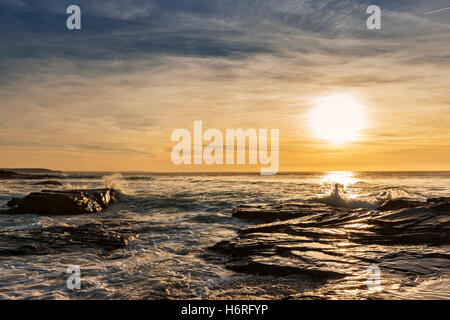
(399, 193)
(74, 185)
(117, 182)
(336, 199)
(370, 201)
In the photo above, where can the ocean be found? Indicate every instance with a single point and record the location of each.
(179, 217)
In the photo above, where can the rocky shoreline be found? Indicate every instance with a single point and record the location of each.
(328, 245)
(404, 237)
(102, 235)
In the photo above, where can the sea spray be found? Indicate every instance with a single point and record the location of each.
(338, 199)
(399, 193)
(117, 182)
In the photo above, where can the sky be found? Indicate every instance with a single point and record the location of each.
(108, 97)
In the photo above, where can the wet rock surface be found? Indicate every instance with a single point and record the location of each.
(404, 238)
(101, 235)
(287, 211)
(398, 204)
(69, 202)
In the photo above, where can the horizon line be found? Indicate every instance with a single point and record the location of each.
(218, 172)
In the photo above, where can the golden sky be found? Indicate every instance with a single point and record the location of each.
(108, 98)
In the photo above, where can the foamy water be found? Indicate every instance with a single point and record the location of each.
(178, 216)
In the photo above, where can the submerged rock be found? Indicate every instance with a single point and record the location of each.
(103, 236)
(70, 202)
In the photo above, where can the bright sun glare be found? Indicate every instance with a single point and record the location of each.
(337, 118)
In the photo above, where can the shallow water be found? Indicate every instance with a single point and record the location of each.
(179, 216)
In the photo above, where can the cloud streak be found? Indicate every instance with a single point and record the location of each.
(139, 69)
(435, 11)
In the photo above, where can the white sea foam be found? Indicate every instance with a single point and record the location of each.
(337, 198)
(398, 193)
(117, 182)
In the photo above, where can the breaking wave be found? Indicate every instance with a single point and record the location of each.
(337, 199)
(117, 182)
(398, 193)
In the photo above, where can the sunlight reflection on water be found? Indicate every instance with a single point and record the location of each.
(345, 178)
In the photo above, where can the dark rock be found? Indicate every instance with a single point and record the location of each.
(222, 246)
(102, 236)
(337, 242)
(442, 208)
(282, 267)
(279, 212)
(13, 202)
(334, 217)
(421, 225)
(441, 199)
(399, 204)
(70, 202)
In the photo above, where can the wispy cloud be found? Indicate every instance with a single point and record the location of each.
(438, 10)
(138, 69)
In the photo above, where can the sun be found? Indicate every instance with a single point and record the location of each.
(338, 118)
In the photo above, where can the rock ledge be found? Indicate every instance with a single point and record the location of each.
(69, 202)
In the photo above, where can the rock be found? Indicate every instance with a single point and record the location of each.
(336, 216)
(70, 202)
(13, 202)
(399, 204)
(441, 199)
(101, 236)
(332, 243)
(279, 212)
(442, 208)
(282, 267)
(427, 224)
